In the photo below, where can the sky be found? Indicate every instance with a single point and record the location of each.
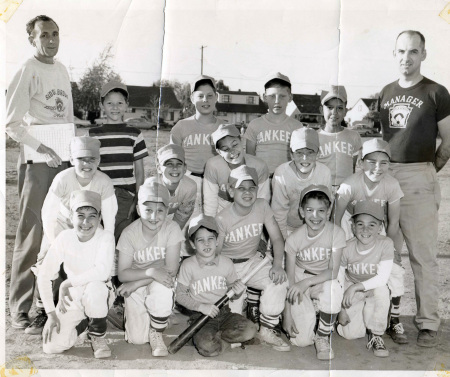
(315, 42)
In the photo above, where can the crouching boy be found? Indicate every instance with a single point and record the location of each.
(205, 278)
(149, 254)
(87, 253)
(313, 255)
(367, 262)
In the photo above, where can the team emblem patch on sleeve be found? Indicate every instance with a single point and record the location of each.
(398, 115)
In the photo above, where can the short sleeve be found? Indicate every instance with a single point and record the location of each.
(231, 274)
(344, 257)
(357, 144)
(345, 191)
(395, 192)
(290, 246)
(442, 103)
(175, 135)
(268, 213)
(185, 275)
(339, 241)
(139, 149)
(251, 132)
(124, 245)
(58, 186)
(174, 234)
(387, 252)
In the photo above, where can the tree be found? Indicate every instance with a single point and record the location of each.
(92, 81)
(182, 92)
(156, 109)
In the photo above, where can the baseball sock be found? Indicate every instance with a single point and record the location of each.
(326, 322)
(395, 310)
(253, 296)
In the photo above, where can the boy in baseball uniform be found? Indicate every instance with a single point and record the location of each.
(313, 257)
(240, 228)
(149, 254)
(182, 189)
(194, 133)
(374, 183)
(268, 137)
(366, 263)
(204, 279)
(292, 177)
(87, 252)
(56, 214)
(339, 146)
(227, 141)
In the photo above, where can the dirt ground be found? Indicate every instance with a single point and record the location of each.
(349, 355)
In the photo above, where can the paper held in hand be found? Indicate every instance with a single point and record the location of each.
(54, 136)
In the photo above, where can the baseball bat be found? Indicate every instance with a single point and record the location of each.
(187, 334)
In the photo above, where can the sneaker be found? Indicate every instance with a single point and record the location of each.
(36, 327)
(115, 316)
(427, 338)
(323, 348)
(270, 337)
(253, 313)
(376, 343)
(20, 320)
(100, 347)
(397, 333)
(159, 348)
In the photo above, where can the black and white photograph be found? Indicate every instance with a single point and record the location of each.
(239, 187)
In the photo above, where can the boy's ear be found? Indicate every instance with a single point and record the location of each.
(264, 97)
(192, 98)
(301, 211)
(101, 105)
(192, 244)
(230, 190)
(158, 168)
(330, 208)
(138, 211)
(321, 109)
(71, 159)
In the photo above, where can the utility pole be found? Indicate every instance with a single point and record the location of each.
(202, 47)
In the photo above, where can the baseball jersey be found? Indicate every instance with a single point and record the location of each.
(243, 233)
(207, 283)
(354, 189)
(217, 172)
(409, 118)
(286, 190)
(337, 151)
(66, 182)
(148, 253)
(363, 266)
(121, 146)
(39, 93)
(313, 253)
(272, 139)
(84, 262)
(195, 138)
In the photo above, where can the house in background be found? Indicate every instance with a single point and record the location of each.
(239, 107)
(144, 102)
(361, 114)
(306, 109)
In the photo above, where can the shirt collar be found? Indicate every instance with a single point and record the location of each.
(202, 263)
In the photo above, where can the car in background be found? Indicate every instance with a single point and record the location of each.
(81, 122)
(141, 123)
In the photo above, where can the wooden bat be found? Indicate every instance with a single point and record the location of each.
(187, 334)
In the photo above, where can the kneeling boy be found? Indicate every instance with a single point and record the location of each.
(313, 256)
(87, 253)
(205, 278)
(367, 262)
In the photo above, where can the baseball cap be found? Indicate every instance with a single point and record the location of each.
(153, 191)
(320, 188)
(85, 198)
(224, 130)
(369, 207)
(112, 85)
(375, 145)
(242, 173)
(305, 138)
(170, 151)
(202, 220)
(202, 78)
(277, 76)
(84, 146)
(336, 91)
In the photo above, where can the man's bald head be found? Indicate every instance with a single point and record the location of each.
(412, 33)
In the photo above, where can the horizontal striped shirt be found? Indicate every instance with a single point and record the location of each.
(121, 145)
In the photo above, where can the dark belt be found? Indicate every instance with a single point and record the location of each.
(240, 260)
(197, 174)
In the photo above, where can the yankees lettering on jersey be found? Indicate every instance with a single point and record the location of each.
(273, 135)
(197, 139)
(362, 268)
(150, 254)
(382, 202)
(244, 232)
(314, 254)
(400, 109)
(336, 146)
(208, 284)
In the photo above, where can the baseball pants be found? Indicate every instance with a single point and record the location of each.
(148, 306)
(230, 327)
(273, 295)
(328, 298)
(369, 310)
(34, 180)
(92, 301)
(419, 225)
